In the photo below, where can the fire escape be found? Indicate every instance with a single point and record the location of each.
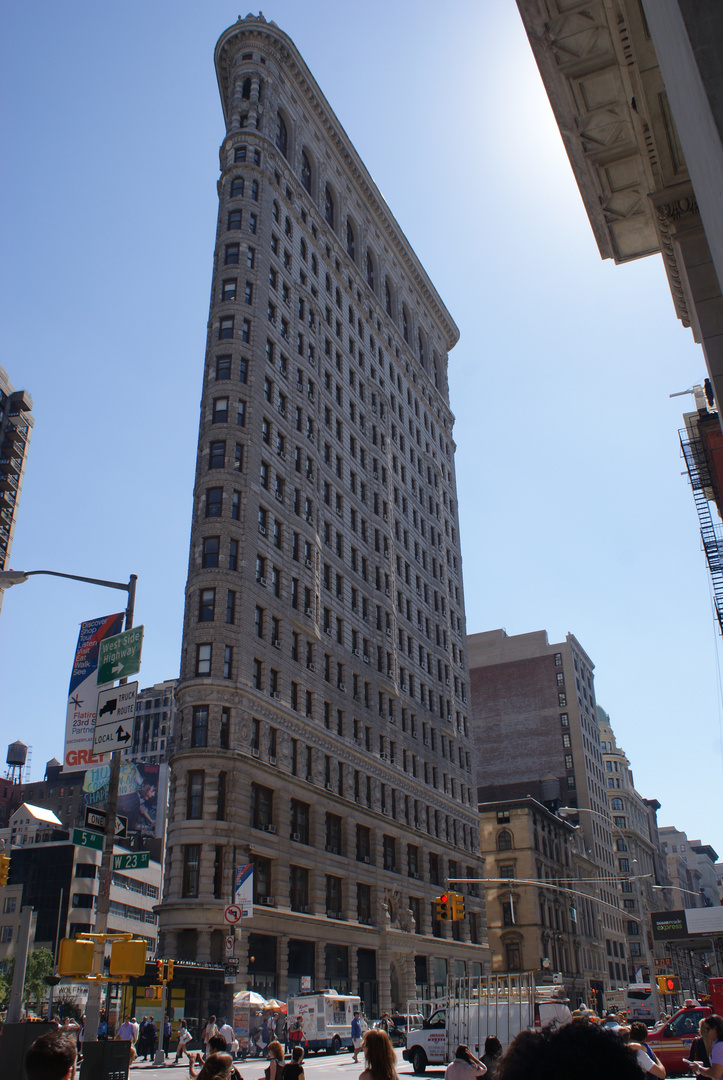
(711, 534)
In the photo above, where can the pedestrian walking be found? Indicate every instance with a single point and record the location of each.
(356, 1036)
(184, 1038)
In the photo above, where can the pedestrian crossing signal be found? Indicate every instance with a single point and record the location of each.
(443, 911)
(668, 984)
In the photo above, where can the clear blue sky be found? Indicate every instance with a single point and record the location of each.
(574, 513)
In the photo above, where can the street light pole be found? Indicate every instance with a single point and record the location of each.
(9, 578)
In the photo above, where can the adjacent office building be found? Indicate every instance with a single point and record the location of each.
(636, 88)
(534, 723)
(323, 701)
(638, 850)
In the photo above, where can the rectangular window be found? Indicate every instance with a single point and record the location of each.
(207, 604)
(194, 794)
(199, 726)
(299, 888)
(209, 551)
(225, 328)
(262, 805)
(203, 660)
(234, 219)
(214, 502)
(300, 813)
(223, 368)
(231, 255)
(191, 866)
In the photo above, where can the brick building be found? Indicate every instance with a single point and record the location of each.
(534, 725)
(322, 705)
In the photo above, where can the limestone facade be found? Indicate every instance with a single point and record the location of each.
(322, 707)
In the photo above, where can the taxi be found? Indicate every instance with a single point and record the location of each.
(671, 1042)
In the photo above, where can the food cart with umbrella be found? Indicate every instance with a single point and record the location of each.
(247, 1004)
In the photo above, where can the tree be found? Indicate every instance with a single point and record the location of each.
(40, 963)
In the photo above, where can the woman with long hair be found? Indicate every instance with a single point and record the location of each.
(379, 1055)
(275, 1067)
(711, 1029)
(215, 1067)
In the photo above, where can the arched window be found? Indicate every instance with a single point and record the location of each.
(246, 89)
(504, 840)
(350, 240)
(282, 140)
(305, 171)
(405, 324)
(370, 270)
(329, 207)
(387, 296)
(616, 804)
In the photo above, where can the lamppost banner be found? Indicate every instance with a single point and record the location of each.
(83, 693)
(244, 889)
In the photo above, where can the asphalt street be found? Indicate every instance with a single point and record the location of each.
(316, 1067)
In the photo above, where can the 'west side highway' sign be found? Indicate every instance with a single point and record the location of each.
(120, 655)
(115, 716)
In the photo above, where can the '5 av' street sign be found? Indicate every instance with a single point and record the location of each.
(120, 655)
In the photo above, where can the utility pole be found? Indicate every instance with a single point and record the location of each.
(92, 1010)
(27, 930)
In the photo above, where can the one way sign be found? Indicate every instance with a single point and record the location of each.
(115, 717)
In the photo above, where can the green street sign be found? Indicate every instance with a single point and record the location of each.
(86, 838)
(137, 860)
(120, 655)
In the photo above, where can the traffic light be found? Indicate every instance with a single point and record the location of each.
(668, 984)
(128, 957)
(4, 869)
(169, 971)
(159, 970)
(457, 906)
(75, 957)
(443, 906)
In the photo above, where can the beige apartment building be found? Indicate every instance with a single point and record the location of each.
(543, 913)
(323, 702)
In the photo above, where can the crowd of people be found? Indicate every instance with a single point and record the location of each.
(578, 1050)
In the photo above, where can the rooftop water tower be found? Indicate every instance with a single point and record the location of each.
(17, 756)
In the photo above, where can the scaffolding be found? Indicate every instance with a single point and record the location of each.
(712, 535)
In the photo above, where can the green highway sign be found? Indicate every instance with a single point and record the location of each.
(86, 838)
(137, 860)
(120, 655)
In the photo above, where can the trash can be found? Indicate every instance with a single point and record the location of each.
(106, 1060)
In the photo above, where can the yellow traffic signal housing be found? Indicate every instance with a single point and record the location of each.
(128, 957)
(154, 993)
(668, 984)
(443, 906)
(75, 957)
(169, 971)
(4, 869)
(457, 906)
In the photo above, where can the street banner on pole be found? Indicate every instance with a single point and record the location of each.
(83, 693)
(244, 889)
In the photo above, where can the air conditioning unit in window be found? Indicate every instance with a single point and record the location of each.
(340, 686)
(375, 475)
(272, 759)
(262, 530)
(328, 787)
(268, 901)
(366, 659)
(404, 687)
(280, 496)
(262, 581)
(296, 836)
(447, 682)
(389, 631)
(276, 643)
(309, 716)
(327, 630)
(309, 778)
(270, 828)
(308, 611)
(281, 454)
(386, 517)
(387, 593)
(367, 858)
(254, 752)
(390, 673)
(311, 667)
(338, 510)
(308, 564)
(276, 694)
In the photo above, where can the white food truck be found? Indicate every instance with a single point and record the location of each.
(326, 1017)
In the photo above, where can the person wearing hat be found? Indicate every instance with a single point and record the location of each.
(356, 1035)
